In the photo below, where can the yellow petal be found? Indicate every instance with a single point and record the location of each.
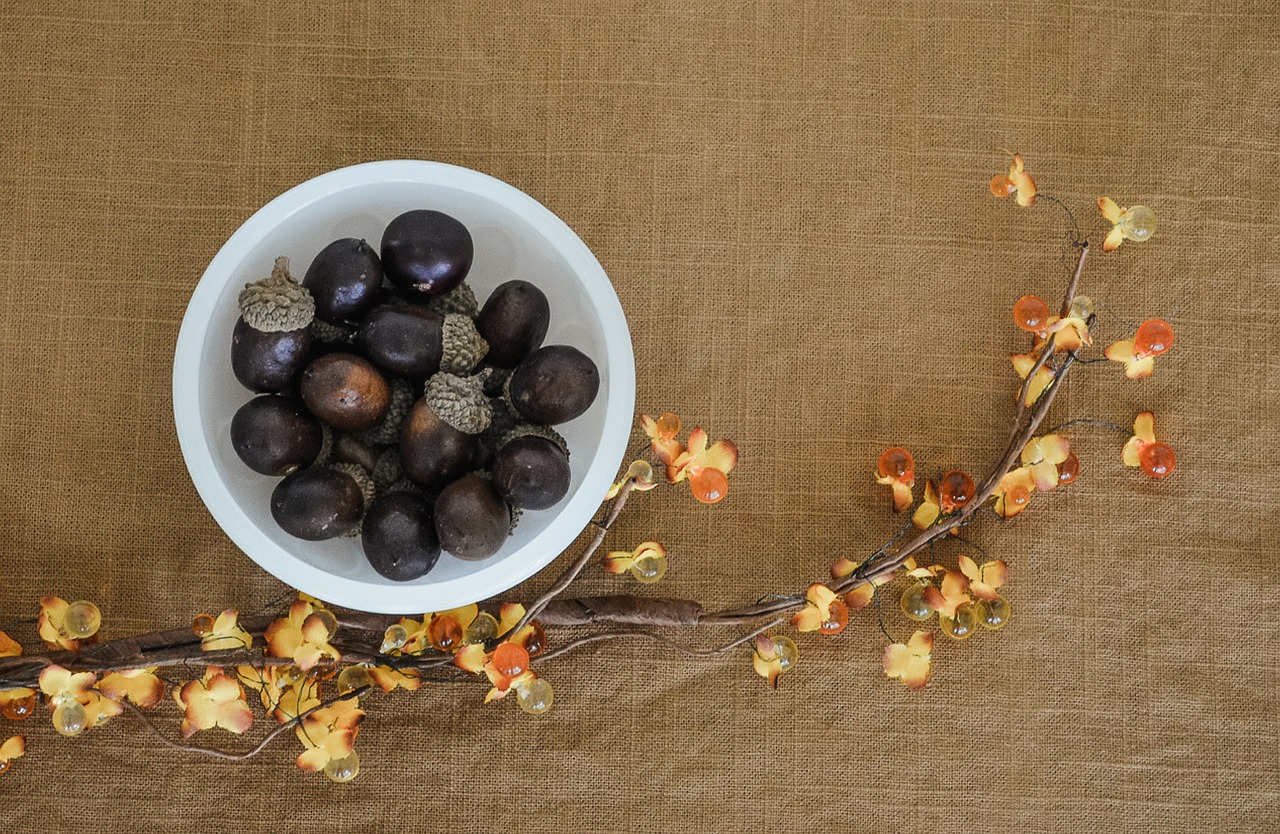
(1140, 368)
(1039, 383)
(821, 596)
(1113, 240)
(313, 760)
(1023, 363)
(1110, 211)
(908, 663)
(969, 568)
(995, 573)
(902, 497)
(8, 646)
(138, 685)
(1055, 448)
(768, 669)
(722, 455)
(921, 642)
(842, 567)
(808, 618)
(13, 748)
(618, 562)
(1121, 351)
(1144, 427)
(697, 441)
(860, 597)
(470, 658)
(388, 678)
(1045, 475)
(925, 515)
(1130, 452)
(508, 615)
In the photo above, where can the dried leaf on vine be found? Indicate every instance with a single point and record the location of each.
(388, 678)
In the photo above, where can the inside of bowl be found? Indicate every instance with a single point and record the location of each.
(507, 247)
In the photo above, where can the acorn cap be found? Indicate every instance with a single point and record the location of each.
(460, 299)
(534, 430)
(277, 303)
(387, 469)
(459, 401)
(331, 334)
(406, 485)
(463, 346)
(388, 431)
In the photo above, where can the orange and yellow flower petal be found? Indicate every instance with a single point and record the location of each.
(1110, 211)
(1023, 183)
(911, 661)
(1140, 368)
(1113, 239)
(8, 646)
(1144, 427)
(1121, 351)
(14, 747)
(53, 611)
(141, 686)
(388, 678)
(226, 634)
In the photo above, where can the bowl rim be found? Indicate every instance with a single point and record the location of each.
(350, 592)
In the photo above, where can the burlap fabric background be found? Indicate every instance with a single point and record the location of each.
(791, 201)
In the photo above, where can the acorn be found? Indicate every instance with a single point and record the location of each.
(438, 439)
(514, 322)
(350, 449)
(554, 385)
(344, 279)
(460, 299)
(317, 503)
(346, 392)
(399, 536)
(275, 435)
(368, 491)
(531, 468)
(472, 520)
(403, 339)
(270, 342)
(427, 251)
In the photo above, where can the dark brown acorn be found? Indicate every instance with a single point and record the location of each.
(531, 472)
(344, 280)
(472, 520)
(433, 452)
(514, 322)
(347, 449)
(403, 339)
(317, 503)
(267, 362)
(275, 435)
(346, 392)
(399, 536)
(427, 251)
(554, 385)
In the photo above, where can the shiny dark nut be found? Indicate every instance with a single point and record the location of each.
(427, 251)
(403, 339)
(433, 452)
(267, 362)
(344, 280)
(555, 384)
(317, 504)
(399, 536)
(275, 435)
(346, 392)
(514, 322)
(472, 520)
(531, 472)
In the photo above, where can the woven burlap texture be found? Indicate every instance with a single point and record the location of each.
(791, 199)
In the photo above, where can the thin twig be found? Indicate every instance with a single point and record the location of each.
(666, 641)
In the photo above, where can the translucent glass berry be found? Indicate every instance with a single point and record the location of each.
(393, 638)
(1002, 186)
(786, 650)
(69, 719)
(1157, 460)
(1138, 223)
(352, 678)
(510, 658)
(290, 675)
(1069, 469)
(962, 625)
(344, 769)
(326, 617)
(993, 614)
(955, 488)
(649, 568)
(1018, 495)
(1031, 313)
(668, 424)
(897, 463)
(640, 470)
(709, 485)
(1081, 307)
(483, 627)
(837, 618)
(1155, 336)
(81, 620)
(913, 604)
(19, 708)
(202, 624)
(535, 697)
(445, 633)
(536, 642)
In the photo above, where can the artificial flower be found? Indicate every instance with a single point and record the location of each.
(303, 636)
(226, 634)
(1041, 380)
(51, 624)
(984, 579)
(11, 648)
(1013, 492)
(1136, 223)
(329, 734)
(897, 470)
(1042, 455)
(953, 594)
(1018, 182)
(620, 561)
(215, 700)
(141, 686)
(860, 597)
(771, 656)
(823, 611)
(14, 747)
(929, 510)
(640, 474)
(1154, 337)
(911, 661)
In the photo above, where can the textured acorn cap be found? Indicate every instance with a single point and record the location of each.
(459, 401)
(331, 334)
(460, 299)
(277, 303)
(463, 346)
(367, 489)
(535, 430)
(406, 485)
(387, 469)
(388, 431)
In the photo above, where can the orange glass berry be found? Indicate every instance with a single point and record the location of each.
(1030, 312)
(1068, 469)
(536, 641)
(1157, 460)
(837, 618)
(709, 484)
(1155, 336)
(897, 463)
(1018, 496)
(202, 624)
(510, 659)
(954, 490)
(668, 424)
(19, 708)
(1002, 186)
(445, 633)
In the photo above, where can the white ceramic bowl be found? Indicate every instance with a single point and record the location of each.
(515, 237)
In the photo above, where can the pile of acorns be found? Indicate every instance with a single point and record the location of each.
(397, 409)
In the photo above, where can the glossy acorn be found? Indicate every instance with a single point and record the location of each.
(427, 251)
(514, 322)
(268, 362)
(399, 536)
(317, 503)
(472, 520)
(346, 391)
(344, 279)
(403, 339)
(531, 472)
(275, 435)
(440, 436)
(554, 385)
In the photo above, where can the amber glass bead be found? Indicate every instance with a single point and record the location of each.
(955, 488)
(897, 463)
(445, 633)
(1155, 336)
(1030, 313)
(1069, 469)
(837, 618)
(1157, 460)
(912, 603)
(510, 658)
(202, 624)
(19, 708)
(1002, 186)
(709, 485)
